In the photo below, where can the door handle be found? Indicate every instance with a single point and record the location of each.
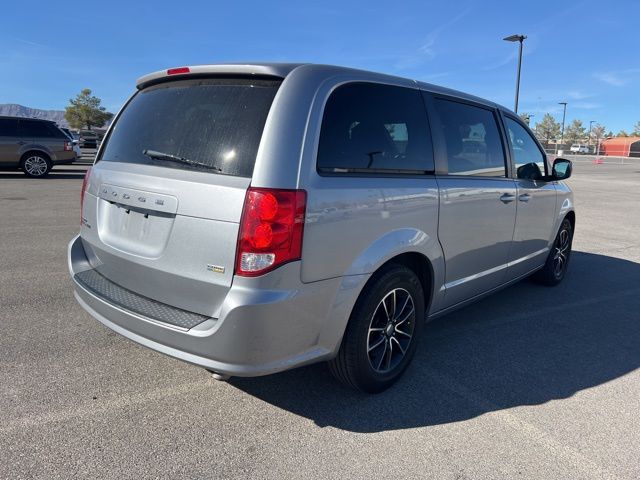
(525, 197)
(507, 198)
(21, 142)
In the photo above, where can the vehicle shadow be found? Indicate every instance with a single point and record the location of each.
(526, 345)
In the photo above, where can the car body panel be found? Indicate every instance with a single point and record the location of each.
(475, 230)
(267, 324)
(534, 225)
(362, 225)
(297, 313)
(139, 244)
(9, 151)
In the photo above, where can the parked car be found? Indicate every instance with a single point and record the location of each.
(579, 148)
(88, 139)
(71, 134)
(194, 239)
(33, 145)
(74, 141)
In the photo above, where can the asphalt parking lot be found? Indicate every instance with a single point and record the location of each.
(532, 382)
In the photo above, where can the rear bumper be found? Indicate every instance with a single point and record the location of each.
(267, 324)
(65, 158)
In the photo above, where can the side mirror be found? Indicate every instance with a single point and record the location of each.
(562, 169)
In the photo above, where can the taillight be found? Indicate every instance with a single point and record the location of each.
(85, 184)
(67, 146)
(270, 230)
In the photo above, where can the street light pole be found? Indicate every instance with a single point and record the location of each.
(591, 122)
(520, 39)
(564, 114)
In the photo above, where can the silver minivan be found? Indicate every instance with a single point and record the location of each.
(254, 218)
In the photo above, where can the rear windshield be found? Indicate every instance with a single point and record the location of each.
(216, 123)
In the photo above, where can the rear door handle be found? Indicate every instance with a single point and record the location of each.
(525, 197)
(21, 142)
(507, 198)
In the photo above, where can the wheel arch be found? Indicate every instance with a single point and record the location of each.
(419, 264)
(414, 248)
(571, 216)
(352, 287)
(32, 150)
(346, 361)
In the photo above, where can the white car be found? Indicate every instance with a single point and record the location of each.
(579, 148)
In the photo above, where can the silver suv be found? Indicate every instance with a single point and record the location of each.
(253, 218)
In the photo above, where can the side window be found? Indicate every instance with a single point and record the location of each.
(29, 128)
(55, 132)
(529, 160)
(8, 127)
(370, 127)
(472, 139)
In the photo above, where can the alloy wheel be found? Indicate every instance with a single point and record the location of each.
(561, 252)
(391, 330)
(36, 166)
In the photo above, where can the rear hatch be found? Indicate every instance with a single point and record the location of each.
(163, 206)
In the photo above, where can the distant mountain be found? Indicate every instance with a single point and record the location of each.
(15, 110)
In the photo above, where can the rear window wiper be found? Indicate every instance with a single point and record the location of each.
(175, 158)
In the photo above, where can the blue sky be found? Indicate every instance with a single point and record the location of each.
(586, 53)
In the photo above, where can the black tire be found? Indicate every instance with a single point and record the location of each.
(35, 164)
(394, 288)
(555, 268)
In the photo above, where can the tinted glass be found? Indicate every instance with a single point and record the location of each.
(57, 132)
(8, 127)
(472, 139)
(529, 160)
(216, 122)
(31, 128)
(371, 128)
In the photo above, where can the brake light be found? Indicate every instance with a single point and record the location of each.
(178, 70)
(85, 184)
(270, 230)
(67, 146)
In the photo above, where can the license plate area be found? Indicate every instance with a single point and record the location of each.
(134, 230)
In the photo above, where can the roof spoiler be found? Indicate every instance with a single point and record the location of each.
(275, 70)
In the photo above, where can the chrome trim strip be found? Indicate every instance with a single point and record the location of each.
(139, 198)
(475, 276)
(528, 257)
